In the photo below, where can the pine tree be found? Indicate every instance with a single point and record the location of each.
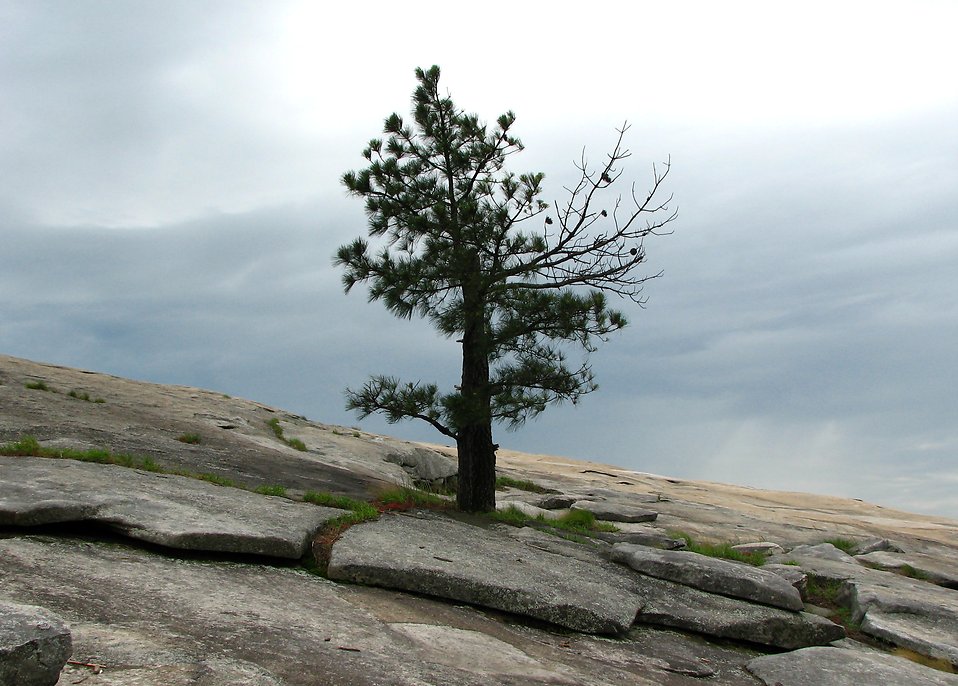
(517, 282)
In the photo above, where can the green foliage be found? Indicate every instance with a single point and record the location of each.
(719, 550)
(911, 572)
(400, 497)
(213, 479)
(475, 250)
(360, 511)
(38, 386)
(503, 482)
(277, 429)
(192, 439)
(574, 521)
(278, 432)
(510, 515)
(26, 446)
(271, 490)
(83, 395)
(843, 544)
(30, 447)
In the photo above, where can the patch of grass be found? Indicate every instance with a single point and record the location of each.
(271, 490)
(28, 446)
(843, 544)
(503, 482)
(912, 573)
(574, 521)
(830, 594)
(582, 521)
(722, 551)
(511, 515)
(212, 478)
(356, 434)
(401, 498)
(278, 432)
(38, 386)
(192, 439)
(80, 395)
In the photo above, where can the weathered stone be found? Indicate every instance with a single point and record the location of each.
(911, 565)
(531, 511)
(667, 603)
(34, 645)
(173, 511)
(760, 548)
(710, 574)
(902, 611)
(457, 561)
(927, 633)
(876, 545)
(614, 512)
(554, 501)
(423, 464)
(824, 551)
(652, 537)
(841, 667)
(792, 574)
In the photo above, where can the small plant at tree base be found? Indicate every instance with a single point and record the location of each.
(503, 482)
(401, 498)
(516, 281)
(573, 521)
(192, 439)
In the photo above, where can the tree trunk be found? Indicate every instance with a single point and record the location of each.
(477, 453)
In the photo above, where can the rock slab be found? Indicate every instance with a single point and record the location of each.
(442, 557)
(666, 603)
(614, 512)
(842, 667)
(34, 645)
(711, 574)
(168, 510)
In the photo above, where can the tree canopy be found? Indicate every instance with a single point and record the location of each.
(519, 283)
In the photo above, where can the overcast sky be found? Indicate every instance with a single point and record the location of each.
(170, 203)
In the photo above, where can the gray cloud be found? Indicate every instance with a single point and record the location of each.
(166, 215)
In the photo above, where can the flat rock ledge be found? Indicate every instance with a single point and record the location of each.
(34, 645)
(666, 603)
(449, 559)
(844, 667)
(164, 509)
(614, 512)
(710, 574)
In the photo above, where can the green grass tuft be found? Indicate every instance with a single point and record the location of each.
(722, 551)
(38, 386)
(843, 544)
(912, 573)
(360, 510)
(213, 479)
(192, 439)
(26, 446)
(278, 432)
(503, 482)
(400, 498)
(271, 490)
(573, 521)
